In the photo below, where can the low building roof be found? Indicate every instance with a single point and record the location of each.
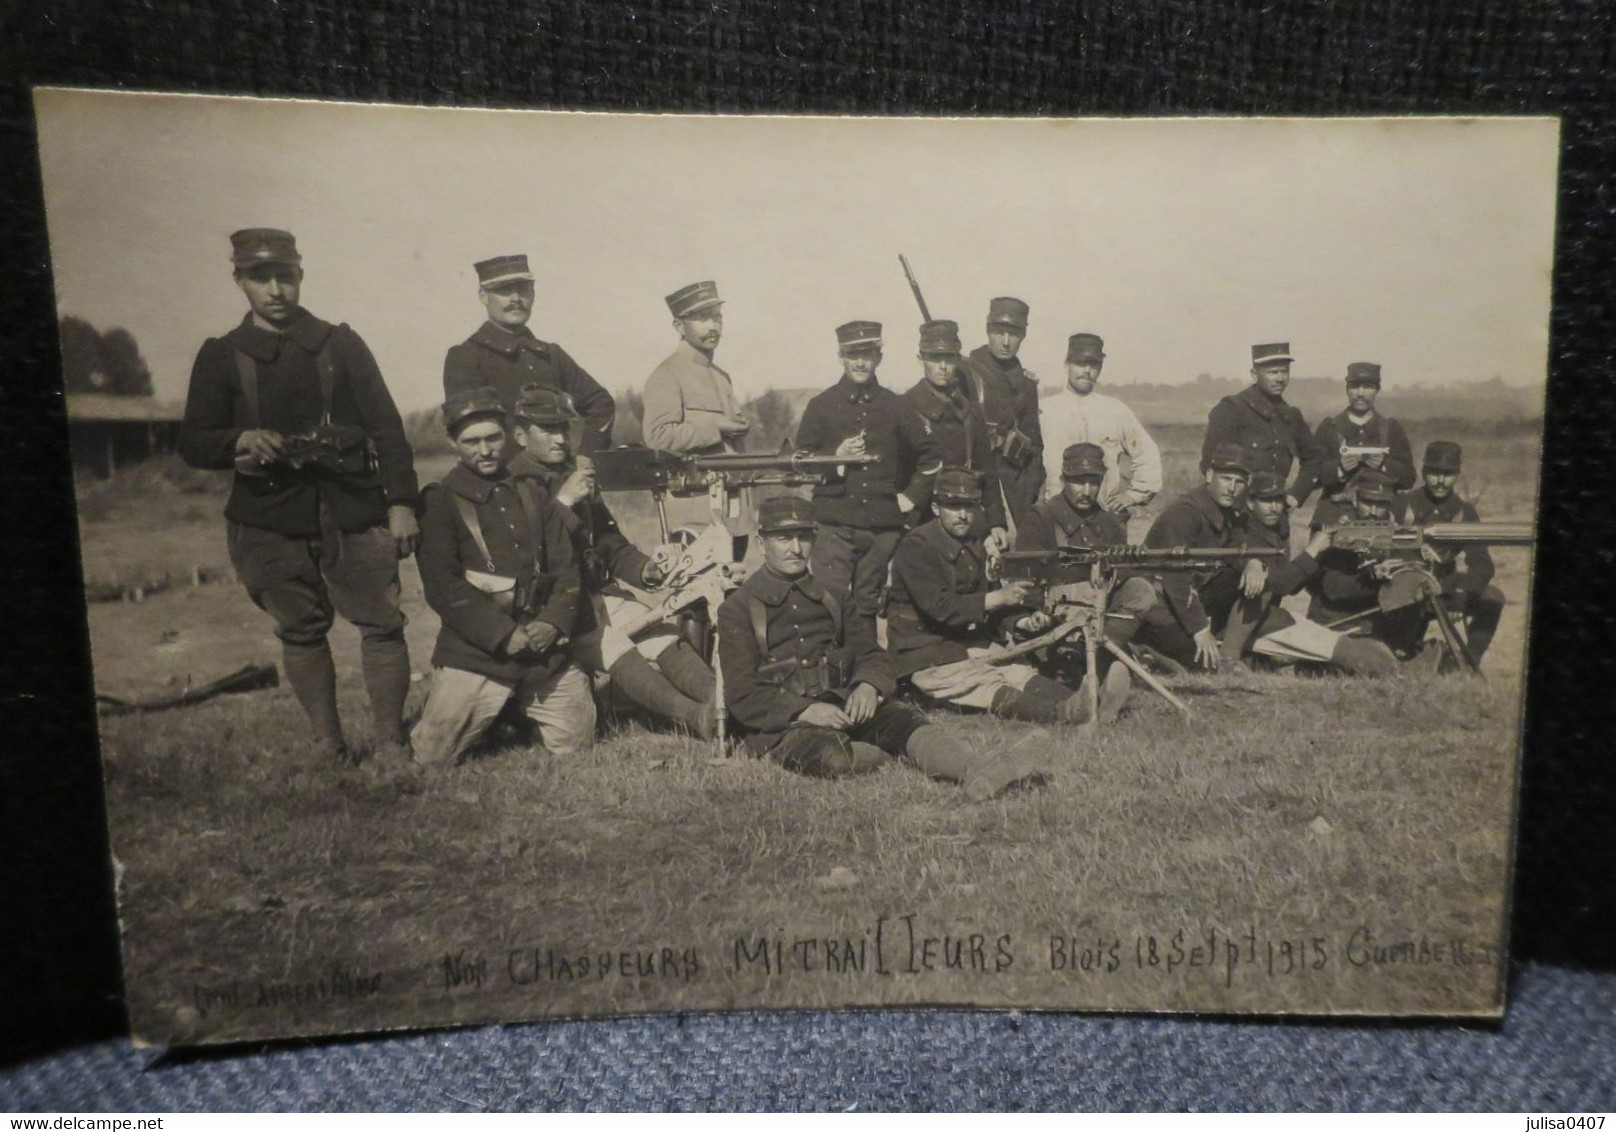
(116, 407)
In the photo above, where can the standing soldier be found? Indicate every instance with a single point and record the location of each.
(1008, 395)
(860, 515)
(1182, 626)
(498, 568)
(1467, 589)
(661, 672)
(808, 686)
(944, 614)
(943, 424)
(1270, 432)
(1357, 426)
(324, 498)
(1081, 415)
(505, 354)
(690, 404)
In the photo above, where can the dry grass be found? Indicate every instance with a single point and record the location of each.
(1287, 810)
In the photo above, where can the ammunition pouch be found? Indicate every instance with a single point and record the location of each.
(827, 677)
(342, 450)
(515, 597)
(1015, 447)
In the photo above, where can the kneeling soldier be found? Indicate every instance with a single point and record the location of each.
(944, 612)
(808, 686)
(498, 568)
(680, 686)
(1348, 589)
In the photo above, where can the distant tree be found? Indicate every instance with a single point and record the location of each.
(628, 427)
(96, 362)
(127, 372)
(774, 418)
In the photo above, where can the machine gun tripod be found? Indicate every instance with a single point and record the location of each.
(1078, 583)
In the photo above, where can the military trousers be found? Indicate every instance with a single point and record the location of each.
(972, 682)
(463, 705)
(851, 563)
(606, 644)
(824, 752)
(304, 582)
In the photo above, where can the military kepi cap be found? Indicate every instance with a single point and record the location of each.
(503, 269)
(1082, 459)
(462, 406)
(957, 485)
(540, 404)
(1268, 353)
(1443, 456)
(1081, 348)
(1266, 485)
(1363, 373)
(1374, 484)
(1229, 457)
(1005, 311)
(785, 513)
(860, 334)
(939, 338)
(693, 299)
(254, 247)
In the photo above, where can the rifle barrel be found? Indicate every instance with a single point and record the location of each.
(777, 462)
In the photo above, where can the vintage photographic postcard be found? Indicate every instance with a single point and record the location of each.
(548, 564)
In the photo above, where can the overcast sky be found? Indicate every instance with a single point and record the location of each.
(1422, 244)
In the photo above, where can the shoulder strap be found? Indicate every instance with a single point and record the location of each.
(527, 497)
(760, 625)
(468, 515)
(247, 373)
(326, 362)
(834, 608)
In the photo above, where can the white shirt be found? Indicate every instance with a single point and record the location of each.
(1068, 419)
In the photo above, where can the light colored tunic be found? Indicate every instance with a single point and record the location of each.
(1104, 420)
(686, 397)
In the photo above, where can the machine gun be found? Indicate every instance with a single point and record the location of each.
(634, 467)
(1405, 558)
(1078, 581)
(344, 450)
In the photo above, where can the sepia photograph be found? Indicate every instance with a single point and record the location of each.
(552, 564)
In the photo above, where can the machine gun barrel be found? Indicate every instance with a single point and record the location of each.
(1484, 533)
(1048, 565)
(634, 467)
(1386, 538)
(800, 462)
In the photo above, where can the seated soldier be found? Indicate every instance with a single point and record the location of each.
(1259, 625)
(944, 613)
(1182, 626)
(1467, 589)
(1347, 590)
(680, 686)
(498, 568)
(807, 685)
(1074, 517)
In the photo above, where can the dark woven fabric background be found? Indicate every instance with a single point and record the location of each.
(58, 963)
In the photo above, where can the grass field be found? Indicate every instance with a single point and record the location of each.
(1312, 845)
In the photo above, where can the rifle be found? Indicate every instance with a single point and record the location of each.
(1063, 571)
(925, 315)
(634, 467)
(1399, 553)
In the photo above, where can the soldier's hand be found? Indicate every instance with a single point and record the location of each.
(1206, 649)
(1035, 623)
(542, 636)
(1319, 543)
(1292, 503)
(825, 715)
(997, 542)
(262, 445)
(1120, 508)
(861, 704)
(518, 642)
(905, 504)
(1253, 578)
(1012, 594)
(737, 425)
(406, 531)
(852, 446)
(653, 574)
(578, 486)
(1432, 556)
(1349, 461)
(1375, 459)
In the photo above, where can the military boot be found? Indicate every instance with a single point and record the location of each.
(649, 688)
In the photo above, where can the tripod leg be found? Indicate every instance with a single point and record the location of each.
(1092, 632)
(1140, 671)
(1450, 636)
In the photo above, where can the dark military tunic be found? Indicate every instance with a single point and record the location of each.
(1009, 399)
(290, 401)
(865, 497)
(1378, 431)
(508, 360)
(1272, 433)
(474, 628)
(800, 630)
(1195, 598)
(1056, 523)
(937, 606)
(948, 429)
(1420, 509)
(602, 549)
(1284, 577)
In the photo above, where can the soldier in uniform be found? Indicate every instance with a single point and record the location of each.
(1074, 517)
(947, 428)
(860, 514)
(1359, 425)
(1257, 613)
(808, 686)
(314, 530)
(1182, 626)
(505, 354)
(944, 613)
(660, 672)
(1467, 589)
(1348, 589)
(1082, 415)
(497, 566)
(1008, 396)
(1269, 430)
(690, 406)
